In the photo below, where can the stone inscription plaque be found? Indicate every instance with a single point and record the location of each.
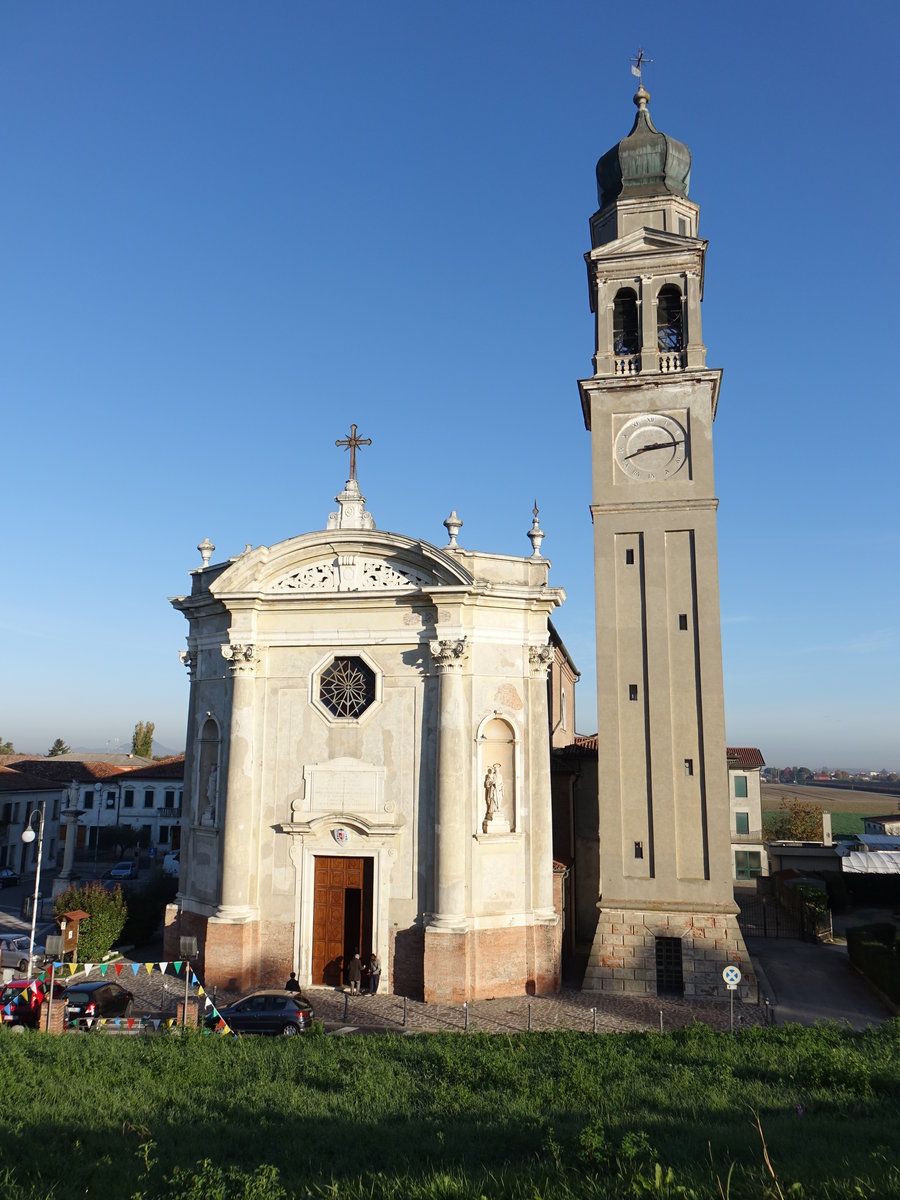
(344, 785)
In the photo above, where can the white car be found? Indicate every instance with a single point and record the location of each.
(172, 863)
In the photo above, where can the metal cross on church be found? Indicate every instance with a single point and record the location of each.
(351, 442)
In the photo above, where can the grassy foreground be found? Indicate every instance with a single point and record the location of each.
(451, 1116)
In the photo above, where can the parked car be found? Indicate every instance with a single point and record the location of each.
(9, 877)
(123, 870)
(14, 951)
(97, 998)
(172, 863)
(268, 1011)
(26, 996)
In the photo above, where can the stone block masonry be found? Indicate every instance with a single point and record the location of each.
(623, 955)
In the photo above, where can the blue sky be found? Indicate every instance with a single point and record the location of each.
(228, 230)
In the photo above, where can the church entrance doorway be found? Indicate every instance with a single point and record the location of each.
(342, 916)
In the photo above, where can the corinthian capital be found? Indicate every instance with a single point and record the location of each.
(242, 660)
(449, 654)
(539, 659)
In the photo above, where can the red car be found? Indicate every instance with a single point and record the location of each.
(26, 997)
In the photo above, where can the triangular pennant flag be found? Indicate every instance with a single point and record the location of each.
(118, 967)
(170, 1021)
(177, 966)
(162, 967)
(104, 967)
(118, 1022)
(200, 991)
(90, 1021)
(88, 967)
(149, 967)
(135, 967)
(57, 966)
(102, 1021)
(73, 967)
(131, 1022)
(156, 1023)
(194, 980)
(208, 1003)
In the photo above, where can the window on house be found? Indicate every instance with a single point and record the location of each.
(682, 620)
(632, 691)
(742, 822)
(670, 318)
(110, 799)
(88, 799)
(128, 798)
(629, 558)
(688, 766)
(563, 714)
(164, 834)
(740, 787)
(625, 322)
(148, 798)
(669, 975)
(747, 864)
(170, 797)
(178, 801)
(682, 226)
(638, 849)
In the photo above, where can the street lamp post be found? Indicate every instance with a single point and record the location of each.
(28, 836)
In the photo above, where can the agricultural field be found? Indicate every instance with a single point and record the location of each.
(781, 1112)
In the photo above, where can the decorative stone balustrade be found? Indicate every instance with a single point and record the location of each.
(630, 365)
(675, 360)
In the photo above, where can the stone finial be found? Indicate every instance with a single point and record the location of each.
(206, 549)
(453, 525)
(536, 534)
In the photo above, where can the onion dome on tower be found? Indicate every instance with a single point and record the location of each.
(645, 163)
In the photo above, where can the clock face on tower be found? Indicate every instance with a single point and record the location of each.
(651, 447)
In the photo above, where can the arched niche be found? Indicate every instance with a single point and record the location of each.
(206, 802)
(497, 776)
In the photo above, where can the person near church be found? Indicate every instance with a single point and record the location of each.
(354, 974)
(292, 985)
(374, 973)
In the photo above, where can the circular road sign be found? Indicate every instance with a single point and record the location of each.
(732, 975)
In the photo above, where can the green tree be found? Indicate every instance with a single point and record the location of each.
(119, 837)
(6, 747)
(58, 747)
(801, 820)
(107, 912)
(142, 739)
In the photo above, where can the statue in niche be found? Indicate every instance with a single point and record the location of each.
(493, 794)
(212, 796)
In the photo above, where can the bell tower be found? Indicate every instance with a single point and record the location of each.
(667, 917)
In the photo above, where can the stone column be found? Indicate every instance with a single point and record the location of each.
(237, 838)
(696, 351)
(649, 333)
(540, 806)
(68, 817)
(452, 801)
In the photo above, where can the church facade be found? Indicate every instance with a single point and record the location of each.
(368, 765)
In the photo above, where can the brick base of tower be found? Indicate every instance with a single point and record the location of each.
(479, 964)
(623, 954)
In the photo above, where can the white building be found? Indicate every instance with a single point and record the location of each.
(748, 855)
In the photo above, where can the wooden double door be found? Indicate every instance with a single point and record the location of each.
(342, 916)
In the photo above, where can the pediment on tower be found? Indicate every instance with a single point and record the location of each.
(341, 562)
(648, 241)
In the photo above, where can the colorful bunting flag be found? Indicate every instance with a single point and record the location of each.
(177, 966)
(135, 967)
(162, 967)
(104, 967)
(119, 967)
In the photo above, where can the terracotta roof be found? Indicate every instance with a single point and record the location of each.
(21, 781)
(165, 768)
(747, 757)
(65, 772)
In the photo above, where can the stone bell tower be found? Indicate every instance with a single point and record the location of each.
(667, 916)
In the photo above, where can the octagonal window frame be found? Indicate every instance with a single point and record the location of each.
(316, 687)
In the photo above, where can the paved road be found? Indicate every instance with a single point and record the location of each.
(814, 982)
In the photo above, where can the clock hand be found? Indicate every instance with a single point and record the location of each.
(654, 446)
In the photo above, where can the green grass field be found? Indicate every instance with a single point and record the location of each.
(452, 1116)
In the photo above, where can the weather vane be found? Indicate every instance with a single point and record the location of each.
(637, 64)
(351, 442)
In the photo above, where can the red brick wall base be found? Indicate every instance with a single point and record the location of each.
(484, 963)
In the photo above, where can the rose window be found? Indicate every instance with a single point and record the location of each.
(347, 687)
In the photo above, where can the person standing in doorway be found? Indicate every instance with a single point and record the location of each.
(292, 985)
(374, 972)
(354, 974)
